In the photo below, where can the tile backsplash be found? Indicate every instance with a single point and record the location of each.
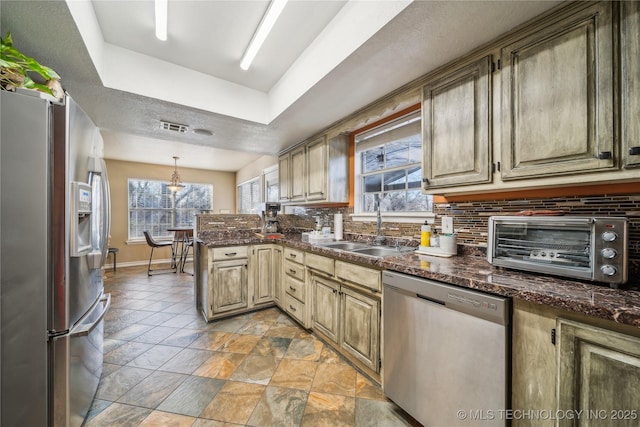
(470, 218)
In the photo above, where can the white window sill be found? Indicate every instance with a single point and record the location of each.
(403, 217)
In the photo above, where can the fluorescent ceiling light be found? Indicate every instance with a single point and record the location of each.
(268, 20)
(161, 19)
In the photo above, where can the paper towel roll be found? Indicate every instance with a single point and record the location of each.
(337, 226)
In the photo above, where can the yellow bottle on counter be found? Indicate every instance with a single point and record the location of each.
(425, 235)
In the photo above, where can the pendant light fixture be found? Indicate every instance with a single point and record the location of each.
(161, 12)
(176, 184)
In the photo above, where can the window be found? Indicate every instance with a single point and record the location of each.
(154, 208)
(249, 197)
(389, 167)
(271, 187)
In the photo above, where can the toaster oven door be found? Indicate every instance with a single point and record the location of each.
(553, 245)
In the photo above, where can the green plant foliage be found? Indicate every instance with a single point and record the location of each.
(16, 66)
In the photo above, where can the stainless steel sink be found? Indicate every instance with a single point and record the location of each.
(379, 251)
(345, 246)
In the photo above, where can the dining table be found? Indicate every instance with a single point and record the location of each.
(182, 241)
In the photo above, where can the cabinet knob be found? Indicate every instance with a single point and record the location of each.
(292, 288)
(604, 155)
(292, 271)
(292, 308)
(634, 151)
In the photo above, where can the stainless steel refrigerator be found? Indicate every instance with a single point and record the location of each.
(54, 227)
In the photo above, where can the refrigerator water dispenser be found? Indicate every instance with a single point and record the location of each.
(80, 232)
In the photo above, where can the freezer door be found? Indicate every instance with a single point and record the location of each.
(77, 367)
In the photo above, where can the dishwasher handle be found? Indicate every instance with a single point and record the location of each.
(435, 301)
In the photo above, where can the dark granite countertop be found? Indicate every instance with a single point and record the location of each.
(474, 272)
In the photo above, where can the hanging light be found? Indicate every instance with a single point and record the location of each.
(176, 184)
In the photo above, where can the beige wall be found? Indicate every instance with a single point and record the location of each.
(255, 169)
(224, 197)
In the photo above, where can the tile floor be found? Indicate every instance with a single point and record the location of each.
(165, 366)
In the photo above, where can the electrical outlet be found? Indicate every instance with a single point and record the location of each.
(447, 225)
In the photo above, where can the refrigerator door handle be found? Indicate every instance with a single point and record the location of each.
(85, 329)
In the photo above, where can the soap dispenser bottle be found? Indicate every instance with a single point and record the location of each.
(425, 235)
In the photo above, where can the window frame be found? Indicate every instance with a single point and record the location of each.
(256, 180)
(395, 216)
(173, 209)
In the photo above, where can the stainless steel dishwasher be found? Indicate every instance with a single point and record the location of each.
(446, 352)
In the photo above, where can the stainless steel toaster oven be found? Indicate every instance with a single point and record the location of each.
(589, 248)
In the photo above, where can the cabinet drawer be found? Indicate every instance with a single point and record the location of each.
(230, 252)
(295, 308)
(294, 255)
(295, 288)
(320, 263)
(362, 276)
(294, 269)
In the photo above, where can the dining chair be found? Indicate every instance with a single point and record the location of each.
(159, 244)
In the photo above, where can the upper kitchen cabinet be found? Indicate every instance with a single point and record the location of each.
(456, 119)
(557, 97)
(316, 172)
(284, 177)
(630, 90)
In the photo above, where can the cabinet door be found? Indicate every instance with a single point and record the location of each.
(277, 275)
(324, 306)
(298, 176)
(557, 98)
(360, 326)
(229, 286)
(284, 178)
(317, 168)
(630, 90)
(598, 375)
(456, 118)
(263, 277)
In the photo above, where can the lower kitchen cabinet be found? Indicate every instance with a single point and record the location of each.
(278, 288)
(360, 327)
(591, 373)
(229, 290)
(598, 375)
(349, 319)
(235, 279)
(263, 275)
(325, 306)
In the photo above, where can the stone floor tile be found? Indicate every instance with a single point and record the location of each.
(158, 418)
(156, 335)
(230, 325)
(272, 346)
(130, 332)
(256, 327)
(97, 406)
(119, 415)
(182, 337)
(187, 361)
(335, 379)
(220, 365)
(329, 410)
(366, 389)
(284, 331)
(282, 407)
(240, 343)
(329, 355)
(375, 413)
(155, 357)
(211, 340)
(234, 402)
(269, 315)
(304, 349)
(152, 390)
(192, 396)
(202, 422)
(157, 319)
(293, 373)
(255, 369)
(126, 353)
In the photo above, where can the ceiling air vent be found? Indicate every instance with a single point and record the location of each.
(175, 127)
